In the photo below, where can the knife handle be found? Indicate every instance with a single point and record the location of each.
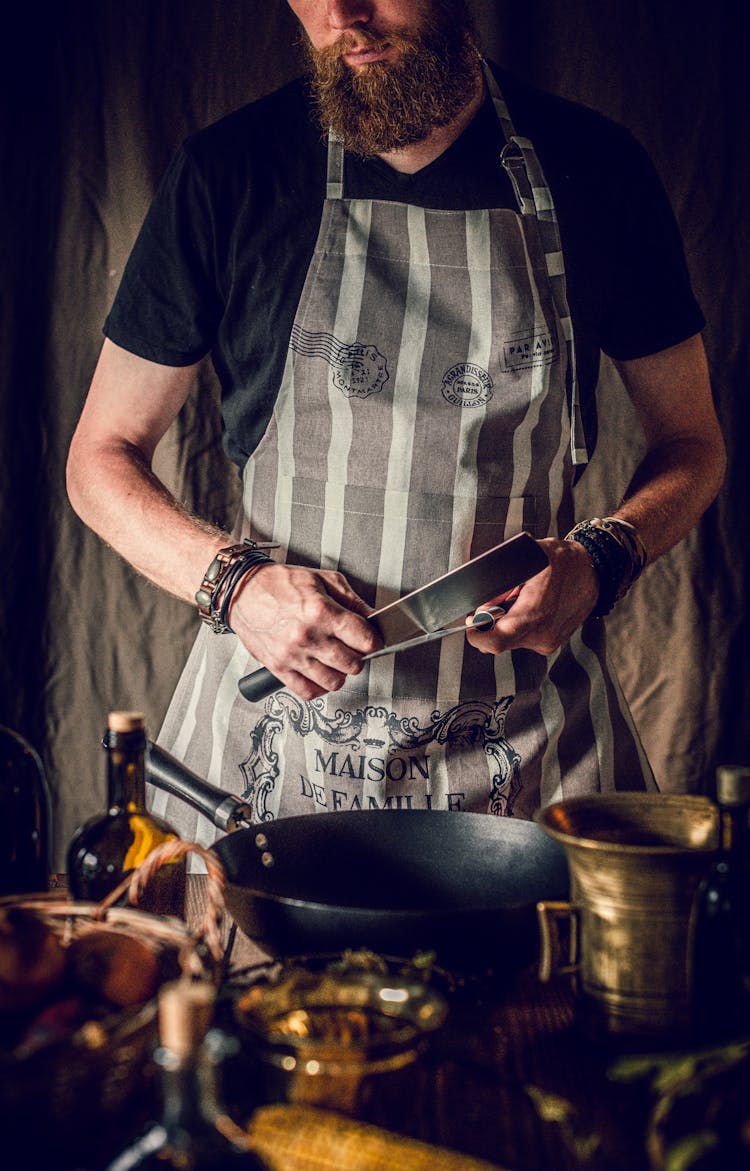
(484, 619)
(258, 684)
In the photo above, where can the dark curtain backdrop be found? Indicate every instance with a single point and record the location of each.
(96, 96)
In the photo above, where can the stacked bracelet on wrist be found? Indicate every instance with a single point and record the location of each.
(222, 577)
(618, 555)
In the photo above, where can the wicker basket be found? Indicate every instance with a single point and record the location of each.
(95, 1072)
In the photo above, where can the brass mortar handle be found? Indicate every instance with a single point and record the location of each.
(551, 914)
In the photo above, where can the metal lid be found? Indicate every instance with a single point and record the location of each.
(733, 785)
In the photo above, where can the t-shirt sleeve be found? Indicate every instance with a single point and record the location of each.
(167, 307)
(651, 304)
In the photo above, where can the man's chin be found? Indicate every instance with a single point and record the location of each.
(390, 94)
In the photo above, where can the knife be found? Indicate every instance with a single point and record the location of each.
(483, 620)
(433, 607)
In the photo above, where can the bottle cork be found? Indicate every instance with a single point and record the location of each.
(185, 1012)
(125, 721)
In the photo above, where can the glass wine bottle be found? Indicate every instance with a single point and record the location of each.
(112, 844)
(194, 1132)
(25, 819)
(720, 926)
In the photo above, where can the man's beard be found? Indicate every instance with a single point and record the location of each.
(384, 107)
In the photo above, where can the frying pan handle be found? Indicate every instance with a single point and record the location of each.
(258, 684)
(169, 774)
(551, 914)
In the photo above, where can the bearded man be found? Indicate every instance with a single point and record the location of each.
(405, 267)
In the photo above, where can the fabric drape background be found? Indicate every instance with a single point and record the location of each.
(96, 95)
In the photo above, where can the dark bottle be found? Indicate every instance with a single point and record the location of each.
(194, 1132)
(720, 925)
(112, 844)
(25, 818)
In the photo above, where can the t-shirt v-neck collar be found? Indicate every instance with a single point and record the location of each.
(473, 137)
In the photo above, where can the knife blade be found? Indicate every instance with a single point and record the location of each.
(441, 602)
(456, 593)
(483, 620)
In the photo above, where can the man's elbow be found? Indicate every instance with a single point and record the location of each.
(86, 477)
(76, 477)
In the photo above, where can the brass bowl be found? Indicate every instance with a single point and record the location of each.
(322, 1034)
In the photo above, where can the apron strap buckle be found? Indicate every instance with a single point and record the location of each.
(514, 163)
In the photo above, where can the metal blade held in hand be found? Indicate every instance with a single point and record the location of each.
(457, 593)
(440, 602)
(483, 620)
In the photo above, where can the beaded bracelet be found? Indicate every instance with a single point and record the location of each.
(618, 556)
(222, 577)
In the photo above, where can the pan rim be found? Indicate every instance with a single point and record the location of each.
(527, 829)
(401, 912)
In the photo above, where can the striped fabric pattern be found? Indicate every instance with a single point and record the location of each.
(428, 410)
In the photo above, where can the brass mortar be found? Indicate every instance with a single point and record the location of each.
(635, 862)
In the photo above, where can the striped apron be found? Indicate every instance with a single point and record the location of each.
(428, 410)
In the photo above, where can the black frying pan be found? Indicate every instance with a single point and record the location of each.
(464, 885)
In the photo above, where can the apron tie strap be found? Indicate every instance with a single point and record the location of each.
(335, 170)
(534, 198)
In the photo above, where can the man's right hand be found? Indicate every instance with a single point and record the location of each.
(308, 626)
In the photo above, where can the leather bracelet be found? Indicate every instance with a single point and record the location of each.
(221, 578)
(617, 554)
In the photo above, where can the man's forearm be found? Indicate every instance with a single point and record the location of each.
(115, 492)
(111, 485)
(671, 489)
(684, 464)
(308, 626)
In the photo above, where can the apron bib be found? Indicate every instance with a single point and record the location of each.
(428, 410)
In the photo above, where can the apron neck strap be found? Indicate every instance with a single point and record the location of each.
(534, 198)
(498, 101)
(516, 153)
(335, 169)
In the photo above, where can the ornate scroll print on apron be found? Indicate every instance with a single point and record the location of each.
(428, 410)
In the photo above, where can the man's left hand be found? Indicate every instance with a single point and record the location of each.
(547, 608)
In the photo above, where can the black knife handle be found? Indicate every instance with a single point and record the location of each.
(261, 683)
(258, 684)
(484, 619)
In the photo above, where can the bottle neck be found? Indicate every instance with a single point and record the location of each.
(126, 770)
(190, 1089)
(734, 830)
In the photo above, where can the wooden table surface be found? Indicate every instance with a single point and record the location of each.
(510, 1078)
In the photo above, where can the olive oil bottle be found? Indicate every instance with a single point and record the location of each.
(193, 1131)
(112, 844)
(720, 924)
(25, 817)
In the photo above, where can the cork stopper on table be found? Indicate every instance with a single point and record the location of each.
(185, 1011)
(125, 721)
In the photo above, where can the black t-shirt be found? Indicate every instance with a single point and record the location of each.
(222, 256)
